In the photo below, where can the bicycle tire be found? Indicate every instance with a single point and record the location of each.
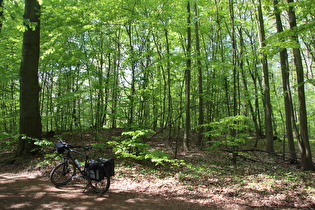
(62, 174)
(100, 186)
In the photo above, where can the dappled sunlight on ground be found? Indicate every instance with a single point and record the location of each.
(26, 191)
(207, 181)
(133, 190)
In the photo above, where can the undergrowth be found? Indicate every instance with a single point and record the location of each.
(131, 145)
(208, 170)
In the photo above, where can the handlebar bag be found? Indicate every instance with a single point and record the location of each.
(60, 147)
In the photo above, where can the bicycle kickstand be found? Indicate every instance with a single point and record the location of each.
(87, 186)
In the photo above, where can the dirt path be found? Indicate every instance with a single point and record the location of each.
(32, 190)
(26, 188)
(22, 187)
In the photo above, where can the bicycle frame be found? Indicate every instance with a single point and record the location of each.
(68, 156)
(65, 171)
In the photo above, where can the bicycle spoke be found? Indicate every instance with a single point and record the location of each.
(62, 173)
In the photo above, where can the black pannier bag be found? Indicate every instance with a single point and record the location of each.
(109, 165)
(96, 168)
(60, 147)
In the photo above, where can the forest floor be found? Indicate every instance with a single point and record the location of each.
(208, 181)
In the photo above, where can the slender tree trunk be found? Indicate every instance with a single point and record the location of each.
(268, 108)
(107, 90)
(30, 120)
(169, 93)
(115, 91)
(285, 83)
(235, 86)
(187, 79)
(304, 143)
(233, 37)
(200, 80)
(257, 80)
(245, 85)
(101, 88)
(133, 76)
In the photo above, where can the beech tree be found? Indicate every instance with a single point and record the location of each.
(304, 144)
(267, 103)
(30, 120)
(200, 77)
(188, 81)
(286, 86)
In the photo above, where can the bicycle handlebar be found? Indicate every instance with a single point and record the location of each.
(83, 147)
(70, 146)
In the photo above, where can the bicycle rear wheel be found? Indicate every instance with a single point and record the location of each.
(62, 173)
(100, 186)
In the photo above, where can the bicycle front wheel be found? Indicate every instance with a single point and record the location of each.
(62, 173)
(100, 186)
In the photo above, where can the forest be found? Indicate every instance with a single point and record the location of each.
(229, 75)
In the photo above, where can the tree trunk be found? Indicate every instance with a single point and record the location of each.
(268, 108)
(200, 80)
(30, 120)
(187, 79)
(285, 84)
(169, 93)
(235, 76)
(115, 91)
(304, 143)
(245, 85)
(133, 76)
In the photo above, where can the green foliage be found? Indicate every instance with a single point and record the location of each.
(158, 157)
(4, 135)
(44, 148)
(229, 131)
(121, 64)
(99, 149)
(137, 134)
(132, 146)
(44, 144)
(7, 142)
(99, 146)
